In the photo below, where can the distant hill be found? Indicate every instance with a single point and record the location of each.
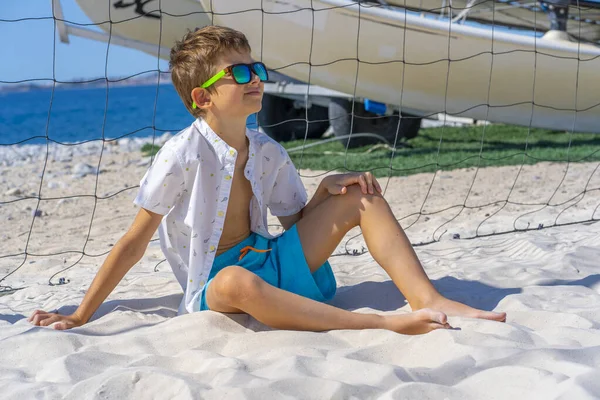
(150, 78)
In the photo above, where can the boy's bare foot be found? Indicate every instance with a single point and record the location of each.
(454, 308)
(417, 322)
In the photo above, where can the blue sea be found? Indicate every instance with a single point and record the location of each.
(78, 115)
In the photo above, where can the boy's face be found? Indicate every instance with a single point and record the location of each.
(231, 99)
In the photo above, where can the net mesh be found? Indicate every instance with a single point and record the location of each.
(446, 195)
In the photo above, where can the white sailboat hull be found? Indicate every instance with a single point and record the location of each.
(584, 22)
(404, 61)
(160, 23)
(419, 65)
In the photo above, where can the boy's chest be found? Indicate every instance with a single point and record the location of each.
(240, 195)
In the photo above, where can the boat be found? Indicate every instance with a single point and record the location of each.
(580, 19)
(423, 65)
(411, 63)
(150, 26)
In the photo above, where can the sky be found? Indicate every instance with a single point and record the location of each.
(26, 47)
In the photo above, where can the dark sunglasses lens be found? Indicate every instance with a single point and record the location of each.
(261, 71)
(241, 74)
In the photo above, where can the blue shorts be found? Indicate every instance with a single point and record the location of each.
(284, 266)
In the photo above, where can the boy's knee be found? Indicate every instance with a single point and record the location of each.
(355, 195)
(235, 285)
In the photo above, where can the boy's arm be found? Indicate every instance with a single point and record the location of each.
(320, 195)
(334, 185)
(124, 255)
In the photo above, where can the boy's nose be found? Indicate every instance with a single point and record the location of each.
(254, 78)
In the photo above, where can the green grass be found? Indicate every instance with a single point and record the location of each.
(461, 147)
(149, 149)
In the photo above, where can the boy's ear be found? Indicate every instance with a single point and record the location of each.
(201, 98)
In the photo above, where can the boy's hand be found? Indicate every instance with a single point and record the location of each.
(336, 184)
(42, 318)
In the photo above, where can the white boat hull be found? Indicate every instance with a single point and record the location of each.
(404, 58)
(404, 61)
(148, 24)
(524, 14)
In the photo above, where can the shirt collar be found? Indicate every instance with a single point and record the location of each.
(222, 149)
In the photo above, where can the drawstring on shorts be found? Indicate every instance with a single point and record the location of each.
(246, 249)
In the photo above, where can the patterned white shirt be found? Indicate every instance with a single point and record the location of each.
(189, 183)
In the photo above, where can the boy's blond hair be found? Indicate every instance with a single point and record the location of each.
(194, 58)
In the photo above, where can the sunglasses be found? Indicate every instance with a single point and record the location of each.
(241, 73)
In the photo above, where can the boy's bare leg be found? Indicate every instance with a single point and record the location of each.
(235, 289)
(323, 228)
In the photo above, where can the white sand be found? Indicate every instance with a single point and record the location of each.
(548, 281)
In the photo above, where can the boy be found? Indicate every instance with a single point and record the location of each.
(208, 191)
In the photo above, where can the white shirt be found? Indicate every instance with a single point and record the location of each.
(189, 183)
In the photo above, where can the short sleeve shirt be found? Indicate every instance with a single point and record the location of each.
(189, 183)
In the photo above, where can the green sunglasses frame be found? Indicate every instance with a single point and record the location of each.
(229, 70)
